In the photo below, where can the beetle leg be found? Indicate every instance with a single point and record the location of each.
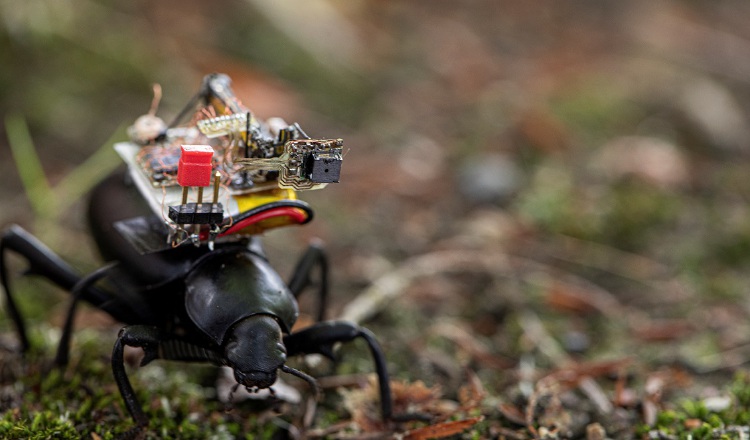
(143, 336)
(122, 305)
(42, 261)
(314, 256)
(78, 290)
(320, 339)
(155, 345)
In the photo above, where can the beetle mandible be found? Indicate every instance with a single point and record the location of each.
(190, 279)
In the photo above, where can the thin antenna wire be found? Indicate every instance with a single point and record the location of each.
(157, 99)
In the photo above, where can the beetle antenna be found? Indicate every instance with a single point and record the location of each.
(304, 376)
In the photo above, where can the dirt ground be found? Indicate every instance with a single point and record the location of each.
(543, 209)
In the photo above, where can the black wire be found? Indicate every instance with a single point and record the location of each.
(247, 135)
(188, 107)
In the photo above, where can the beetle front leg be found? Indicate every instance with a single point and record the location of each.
(143, 336)
(156, 345)
(320, 339)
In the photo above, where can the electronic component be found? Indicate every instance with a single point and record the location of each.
(225, 125)
(304, 164)
(160, 163)
(159, 160)
(195, 166)
(197, 213)
(255, 167)
(149, 127)
(194, 169)
(323, 166)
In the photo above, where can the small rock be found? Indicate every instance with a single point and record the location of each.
(576, 341)
(717, 403)
(713, 109)
(490, 178)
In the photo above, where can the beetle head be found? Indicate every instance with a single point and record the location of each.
(254, 349)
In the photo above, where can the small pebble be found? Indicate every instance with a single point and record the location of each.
(490, 179)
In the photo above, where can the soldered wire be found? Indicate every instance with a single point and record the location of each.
(184, 112)
(168, 221)
(155, 100)
(227, 224)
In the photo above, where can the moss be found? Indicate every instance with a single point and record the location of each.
(694, 419)
(83, 399)
(43, 425)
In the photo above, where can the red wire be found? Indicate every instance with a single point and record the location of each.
(298, 215)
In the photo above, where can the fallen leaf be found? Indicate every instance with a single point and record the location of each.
(664, 330)
(472, 394)
(442, 430)
(512, 414)
(364, 404)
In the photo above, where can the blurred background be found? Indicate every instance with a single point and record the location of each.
(548, 183)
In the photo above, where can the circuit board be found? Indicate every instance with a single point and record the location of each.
(251, 168)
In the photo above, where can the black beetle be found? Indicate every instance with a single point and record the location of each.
(226, 306)
(222, 304)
